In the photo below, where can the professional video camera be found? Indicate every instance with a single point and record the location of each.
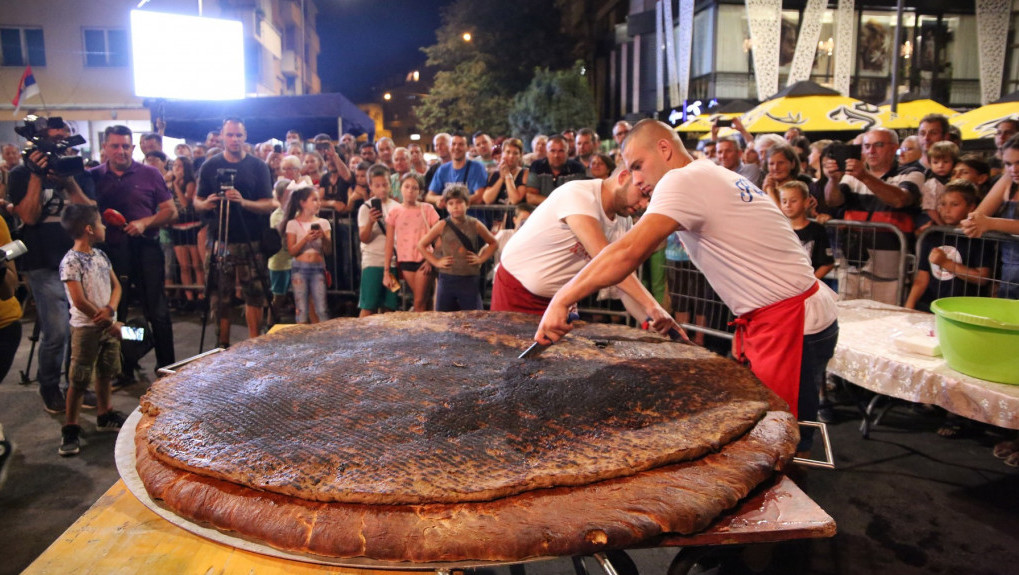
(58, 164)
(225, 177)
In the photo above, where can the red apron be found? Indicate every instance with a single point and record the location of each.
(508, 294)
(771, 339)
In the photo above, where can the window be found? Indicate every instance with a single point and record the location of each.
(22, 46)
(106, 48)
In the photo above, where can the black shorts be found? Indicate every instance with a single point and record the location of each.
(409, 267)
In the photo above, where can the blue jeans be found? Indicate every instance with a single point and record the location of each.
(818, 348)
(54, 317)
(309, 279)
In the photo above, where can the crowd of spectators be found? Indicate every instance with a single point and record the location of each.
(359, 217)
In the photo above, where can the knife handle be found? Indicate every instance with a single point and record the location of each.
(674, 334)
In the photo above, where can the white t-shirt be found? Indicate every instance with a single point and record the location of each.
(373, 253)
(737, 236)
(92, 271)
(544, 253)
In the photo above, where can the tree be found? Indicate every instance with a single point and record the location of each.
(465, 99)
(554, 101)
(474, 86)
(512, 39)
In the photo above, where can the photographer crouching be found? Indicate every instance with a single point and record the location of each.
(40, 189)
(139, 193)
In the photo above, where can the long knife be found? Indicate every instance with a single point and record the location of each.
(536, 348)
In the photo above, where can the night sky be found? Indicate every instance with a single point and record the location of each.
(367, 42)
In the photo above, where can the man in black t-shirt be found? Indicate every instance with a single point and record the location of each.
(239, 183)
(553, 171)
(39, 199)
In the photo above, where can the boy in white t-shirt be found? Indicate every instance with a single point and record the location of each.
(94, 292)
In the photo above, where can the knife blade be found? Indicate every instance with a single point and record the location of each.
(536, 348)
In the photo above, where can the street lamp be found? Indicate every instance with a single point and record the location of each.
(387, 96)
(467, 37)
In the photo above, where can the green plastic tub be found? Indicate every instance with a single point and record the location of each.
(979, 336)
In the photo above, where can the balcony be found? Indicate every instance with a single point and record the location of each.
(290, 13)
(271, 39)
(290, 64)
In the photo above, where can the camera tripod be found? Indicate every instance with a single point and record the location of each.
(220, 261)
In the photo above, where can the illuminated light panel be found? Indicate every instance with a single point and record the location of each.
(208, 52)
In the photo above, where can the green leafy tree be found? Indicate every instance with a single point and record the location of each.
(465, 99)
(554, 101)
(510, 38)
(475, 83)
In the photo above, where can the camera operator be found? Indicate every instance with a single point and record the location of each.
(239, 183)
(876, 188)
(139, 193)
(39, 196)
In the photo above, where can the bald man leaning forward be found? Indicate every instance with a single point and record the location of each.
(573, 225)
(747, 250)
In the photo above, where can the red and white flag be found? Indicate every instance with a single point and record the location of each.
(26, 89)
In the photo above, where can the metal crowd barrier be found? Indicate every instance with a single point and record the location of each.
(973, 253)
(872, 261)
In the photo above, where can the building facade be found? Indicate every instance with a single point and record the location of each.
(80, 55)
(962, 54)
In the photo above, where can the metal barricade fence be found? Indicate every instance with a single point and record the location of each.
(985, 252)
(872, 261)
(694, 304)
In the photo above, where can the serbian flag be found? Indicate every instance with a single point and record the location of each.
(26, 89)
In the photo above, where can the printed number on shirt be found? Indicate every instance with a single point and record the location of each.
(747, 190)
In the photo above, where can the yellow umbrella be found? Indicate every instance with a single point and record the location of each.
(702, 123)
(981, 123)
(722, 132)
(811, 108)
(910, 113)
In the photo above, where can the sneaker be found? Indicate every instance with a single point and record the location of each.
(53, 401)
(88, 400)
(110, 421)
(70, 443)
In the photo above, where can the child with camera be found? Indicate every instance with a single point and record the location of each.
(94, 293)
(376, 295)
(460, 255)
(309, 239)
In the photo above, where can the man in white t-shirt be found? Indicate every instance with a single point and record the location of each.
(744, 246)
(573, 225)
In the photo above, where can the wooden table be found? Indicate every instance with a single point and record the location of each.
(119, 535)
(866, 356)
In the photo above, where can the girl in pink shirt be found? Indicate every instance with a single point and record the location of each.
(407, 223)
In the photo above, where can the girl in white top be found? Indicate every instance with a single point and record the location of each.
(309, 238)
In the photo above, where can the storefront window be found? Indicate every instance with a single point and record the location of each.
(734, 52)
(703, 42)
